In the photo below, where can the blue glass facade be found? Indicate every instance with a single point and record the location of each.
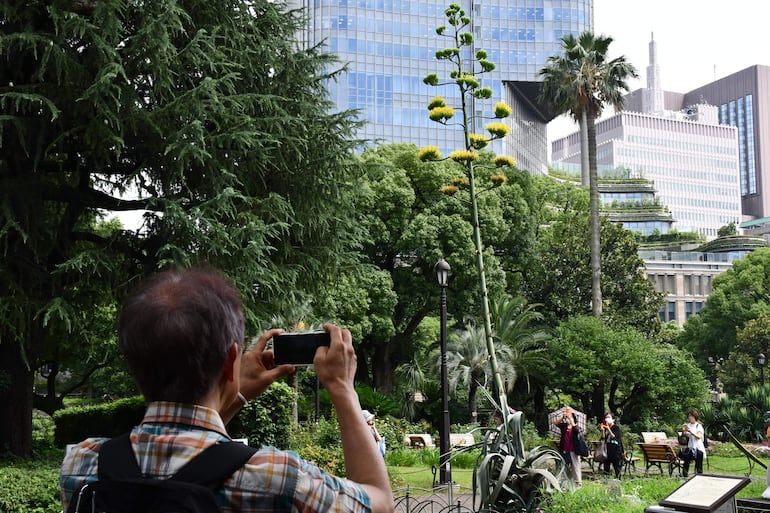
(389, 47)
(740, 113)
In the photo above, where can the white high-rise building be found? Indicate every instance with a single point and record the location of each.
(692, 160)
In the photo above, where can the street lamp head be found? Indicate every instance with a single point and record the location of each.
(761, 359)
(442, 272)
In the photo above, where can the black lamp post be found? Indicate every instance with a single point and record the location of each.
(445, 474)
(716, 363)
(761, 361)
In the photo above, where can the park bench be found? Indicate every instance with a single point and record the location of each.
(654, 437)
(659, 455)
(629, 462)
(418, 440)
(461, 439)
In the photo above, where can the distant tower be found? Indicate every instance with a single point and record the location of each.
(653, 95)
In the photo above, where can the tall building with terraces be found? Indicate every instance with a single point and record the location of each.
(691, 158)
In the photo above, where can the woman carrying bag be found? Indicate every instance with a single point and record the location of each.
(610, 433)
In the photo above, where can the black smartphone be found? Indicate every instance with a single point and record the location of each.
(298, 348)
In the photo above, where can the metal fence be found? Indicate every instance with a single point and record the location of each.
(447, 499)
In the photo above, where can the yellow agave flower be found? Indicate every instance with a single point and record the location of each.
(498, 179)
(463, 156)
(498, 129)
(502, 110)
(429, 153)
(479, 141)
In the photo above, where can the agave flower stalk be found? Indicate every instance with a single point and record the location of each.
(471, 89)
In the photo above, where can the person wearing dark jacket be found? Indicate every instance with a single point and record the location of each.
(610, 433)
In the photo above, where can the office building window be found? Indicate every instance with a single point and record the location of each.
(671, 284)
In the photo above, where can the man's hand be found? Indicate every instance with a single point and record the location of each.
(258, 369)
(335, 365)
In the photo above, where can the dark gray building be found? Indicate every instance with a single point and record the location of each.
(743, 101)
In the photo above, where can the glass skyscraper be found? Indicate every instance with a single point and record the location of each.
(390, 46)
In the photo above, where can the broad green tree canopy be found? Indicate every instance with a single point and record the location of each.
(411, 225)
(560, 277)
(739, 296)
(207, 115)
(635, 371)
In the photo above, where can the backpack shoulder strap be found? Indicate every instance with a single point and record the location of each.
(215, 464)
(117, 460)
(210, 468)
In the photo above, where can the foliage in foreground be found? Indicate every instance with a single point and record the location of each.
(211, 116)
(30, 486)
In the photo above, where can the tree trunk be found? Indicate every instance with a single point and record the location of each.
(295, 400)
(541, 412)
(472, 410)
(597, 402)
(596, 266)
(382, 369)
(611, 400)
(16, 390)
(584, 165)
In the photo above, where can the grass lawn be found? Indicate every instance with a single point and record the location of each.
(422, 477)
(630, 495)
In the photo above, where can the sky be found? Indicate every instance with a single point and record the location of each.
(698, 41)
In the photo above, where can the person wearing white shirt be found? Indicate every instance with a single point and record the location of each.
(693, 430)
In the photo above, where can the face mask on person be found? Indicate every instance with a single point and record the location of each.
(609, 421)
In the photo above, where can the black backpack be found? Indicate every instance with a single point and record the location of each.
(122, 489)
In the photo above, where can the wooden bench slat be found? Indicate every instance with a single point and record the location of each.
(659, 454)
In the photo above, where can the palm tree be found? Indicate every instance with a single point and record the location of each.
(469, 363)
(518, 341)
(411, 375)
(518, 326)
(582, 82)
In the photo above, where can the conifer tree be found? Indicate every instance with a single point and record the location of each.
(205, 115)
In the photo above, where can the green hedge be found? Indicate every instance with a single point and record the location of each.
(77, 423)
(264, 421)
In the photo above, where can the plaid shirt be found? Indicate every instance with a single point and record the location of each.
(171, 434)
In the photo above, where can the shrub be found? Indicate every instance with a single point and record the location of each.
(321, 443)
(77, 423)
(326, 433)
(465, 459)
(42, 432)
(403, 457)
(376, 402)
(532, 438)
(266, 420)
(329, 459)
(30, 486)
(393, 431)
